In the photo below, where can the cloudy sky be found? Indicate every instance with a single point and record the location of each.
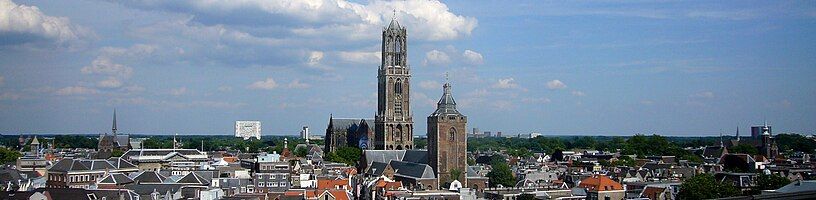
(596, 67)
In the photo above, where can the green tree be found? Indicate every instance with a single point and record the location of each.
(770, 182)
(500, 174)
(348, 155)
(455, 174)
(8, 155)
(744, 148)
(301, 152)
(704, 186)
(117, 153)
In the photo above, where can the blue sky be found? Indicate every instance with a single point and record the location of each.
(591, 67)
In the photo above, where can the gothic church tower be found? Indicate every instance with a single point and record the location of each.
(394, 125)
(447, 140)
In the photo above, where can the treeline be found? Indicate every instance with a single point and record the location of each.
(640, 145)
(222, 142)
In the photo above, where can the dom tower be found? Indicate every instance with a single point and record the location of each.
(394, 125)
(447, 140)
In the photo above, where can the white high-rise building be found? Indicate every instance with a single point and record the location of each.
(248, 129)
(305, 134)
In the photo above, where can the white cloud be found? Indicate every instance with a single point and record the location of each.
(22, 19)
(133, 89)
(110, 82)
(224, 89)
(705, 95)
(436, 57)
(556, 84)
(9, 96)
(479, 93)
(314, 58)
(103, 65)
(541, 100)
(178, 91)
(578, 93)
(430, 85)
(360, 56)
(429, 20)
(76, 90)
(473, 57)
(296, 84)
(136, 51)
(267, 84)
(506, 83)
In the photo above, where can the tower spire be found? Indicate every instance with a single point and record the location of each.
(738, 138)
(721, 139)
(113, 128)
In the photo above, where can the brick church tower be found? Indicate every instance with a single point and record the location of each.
(394, 125)
(447, 140)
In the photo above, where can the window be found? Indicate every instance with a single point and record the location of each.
(398, 87)
(273, 184)
(261, 184)
(452, 134)
(397, 45)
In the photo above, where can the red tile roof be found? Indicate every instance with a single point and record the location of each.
(600, 183)
(332, 184)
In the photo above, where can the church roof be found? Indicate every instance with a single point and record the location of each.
(394, 24)
(412, 170)
(446, 104)
(35, 141)
(343, 124)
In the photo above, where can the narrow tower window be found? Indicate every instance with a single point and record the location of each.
(452, 134)
(398, 87)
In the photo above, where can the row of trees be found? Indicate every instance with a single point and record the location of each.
(640, 145)
(705, 186)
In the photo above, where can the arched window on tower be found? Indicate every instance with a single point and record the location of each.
(398, 45)
(452, 134)
(398, 87)
(398, 49)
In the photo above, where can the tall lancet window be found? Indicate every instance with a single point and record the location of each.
(452, 134)
(398, 45)
(398, 49)
(398, 87)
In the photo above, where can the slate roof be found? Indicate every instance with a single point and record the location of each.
(69, 164)
(412, 170)
(798, 186)
(446, 104)
(118, 162)
(343, 124)
(116, 178)
(194, 178)
(376, 168)
(712, 152)
(144, 190)
(114, 194)
(416, 156)
(148, 177)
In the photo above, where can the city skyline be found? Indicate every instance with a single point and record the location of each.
(589, 69)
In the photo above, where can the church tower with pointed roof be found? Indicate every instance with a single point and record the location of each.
(447, 140)
(393, 122)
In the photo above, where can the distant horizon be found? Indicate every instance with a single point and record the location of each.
(415, 136)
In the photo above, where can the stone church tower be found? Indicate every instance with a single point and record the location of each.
(447, 140)
(394, 125)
